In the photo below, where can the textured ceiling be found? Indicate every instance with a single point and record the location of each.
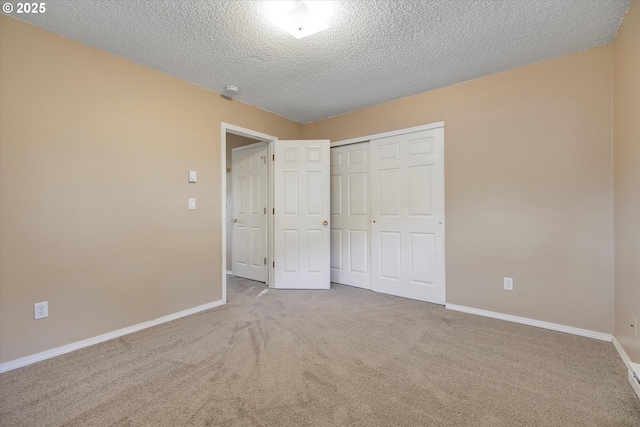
(374, 51)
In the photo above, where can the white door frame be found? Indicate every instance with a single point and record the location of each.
(248, 133)
(386, 134)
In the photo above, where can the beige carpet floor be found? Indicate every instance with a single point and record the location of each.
(327, 358)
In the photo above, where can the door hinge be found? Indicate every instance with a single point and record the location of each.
(273, 157)
(265, 261)
(265, 210)
(274, 264)
(273, 211)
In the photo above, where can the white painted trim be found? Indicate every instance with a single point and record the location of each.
(223, 207)
(229, 273)
(622, 353)
(429, 126)
(28, 360)
(633, 369)
(271, 221)
(248, 133)
(635, 384)
(248, 146)
(533, 322)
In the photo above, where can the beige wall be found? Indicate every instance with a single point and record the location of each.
(233, 141)
(626, 179)
(94, 156)
(528, 185)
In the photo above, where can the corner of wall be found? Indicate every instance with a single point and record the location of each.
(626, 176)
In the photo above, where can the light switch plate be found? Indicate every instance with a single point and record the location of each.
(193, 176)
(192, 203)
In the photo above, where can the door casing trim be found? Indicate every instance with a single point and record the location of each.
(396, 132)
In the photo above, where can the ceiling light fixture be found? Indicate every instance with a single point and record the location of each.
(300, 21)
(232, 90)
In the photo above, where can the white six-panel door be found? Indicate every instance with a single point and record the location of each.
(407, 215)
(301, 214)
(249, 231)
(350, 215)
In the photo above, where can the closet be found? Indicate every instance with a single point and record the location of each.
(387, 213)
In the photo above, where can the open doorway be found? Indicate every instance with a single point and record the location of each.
(234, 137)
(298, 205)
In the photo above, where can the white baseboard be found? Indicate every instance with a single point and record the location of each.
(533, 322)
(635, 382)
(622, 353)
(28, 360)
(632, 368)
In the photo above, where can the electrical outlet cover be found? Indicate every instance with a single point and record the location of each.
(508, 283)
(41, 310)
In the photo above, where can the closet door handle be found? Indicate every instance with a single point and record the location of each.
(234, 220)
(325, 222)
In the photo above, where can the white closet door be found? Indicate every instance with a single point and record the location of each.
(350, 215)
(407, 214)
(249, 231)
(301, 200)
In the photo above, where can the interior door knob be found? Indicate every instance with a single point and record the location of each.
(234, 220)
(325, 222)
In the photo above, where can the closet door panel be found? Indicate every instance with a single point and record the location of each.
(350, 248)
(407, 215)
